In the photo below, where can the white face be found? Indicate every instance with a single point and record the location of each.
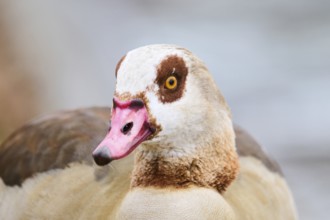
(189, 119)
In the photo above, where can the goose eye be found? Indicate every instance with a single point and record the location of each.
(171, 83)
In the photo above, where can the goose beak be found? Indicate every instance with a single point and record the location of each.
(129, 127)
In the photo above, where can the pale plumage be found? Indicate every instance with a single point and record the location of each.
(186, 166)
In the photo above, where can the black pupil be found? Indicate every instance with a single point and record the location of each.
(171, 82)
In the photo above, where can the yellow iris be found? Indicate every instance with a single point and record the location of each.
(171, 83)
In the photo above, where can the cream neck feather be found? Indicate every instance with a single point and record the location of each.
(213, 165)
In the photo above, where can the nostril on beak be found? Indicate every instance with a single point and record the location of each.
(127, 128)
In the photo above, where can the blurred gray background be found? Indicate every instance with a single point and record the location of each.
(271, 60)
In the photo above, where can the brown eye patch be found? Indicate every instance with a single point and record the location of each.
(119, 64)
(172, 66)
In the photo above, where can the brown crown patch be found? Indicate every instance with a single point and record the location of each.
(119, 64)
(171, 66)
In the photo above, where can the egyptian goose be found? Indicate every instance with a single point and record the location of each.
(171, 144)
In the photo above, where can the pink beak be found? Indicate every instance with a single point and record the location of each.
(129, 127)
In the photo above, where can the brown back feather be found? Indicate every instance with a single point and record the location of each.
(52, 142)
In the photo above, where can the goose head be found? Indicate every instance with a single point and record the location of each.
(167, 102)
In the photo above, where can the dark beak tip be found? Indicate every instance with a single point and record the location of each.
(102, 157)
(101, 161)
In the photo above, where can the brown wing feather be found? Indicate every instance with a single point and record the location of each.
(52, 142)
(247, 146)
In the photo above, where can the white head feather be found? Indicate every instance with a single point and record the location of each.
(186, 123)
